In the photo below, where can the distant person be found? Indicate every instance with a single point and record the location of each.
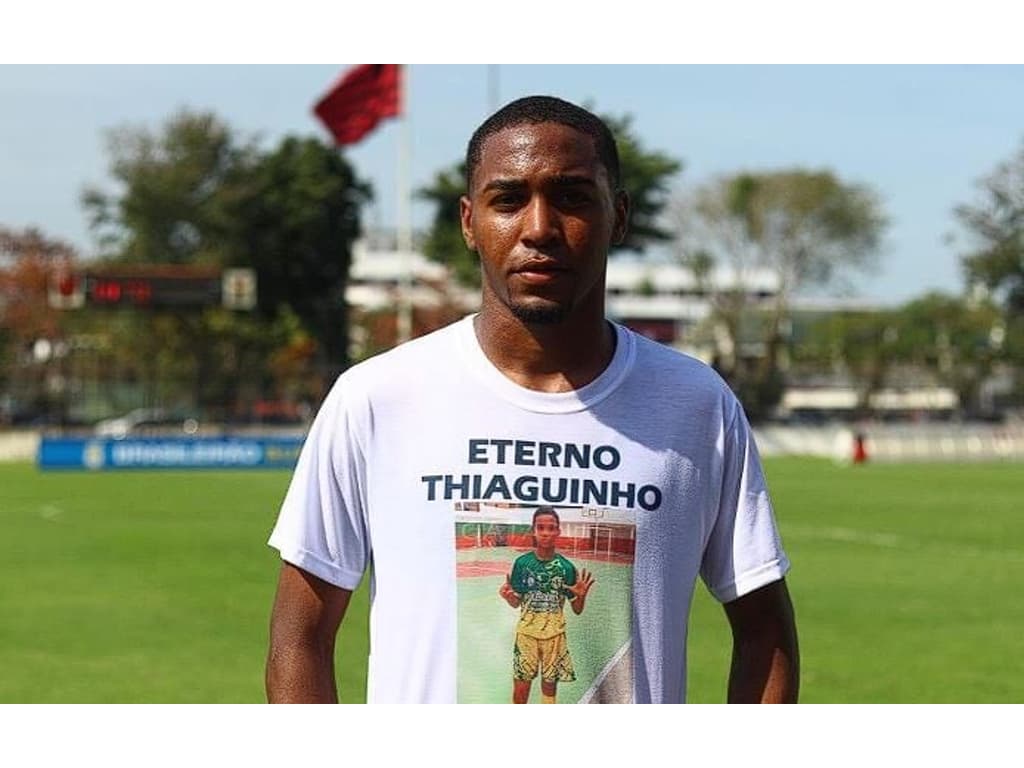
(860, 452)
(540, 583)
(535, 399)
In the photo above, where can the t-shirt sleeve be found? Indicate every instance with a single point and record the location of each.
(744, 551)
(322, 526)
(518, 577)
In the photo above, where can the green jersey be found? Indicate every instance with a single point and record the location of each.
(543, 587)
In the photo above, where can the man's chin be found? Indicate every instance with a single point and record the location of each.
(539, 314)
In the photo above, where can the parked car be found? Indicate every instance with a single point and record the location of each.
(147, 421)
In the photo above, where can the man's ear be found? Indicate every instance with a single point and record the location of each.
(621, 225)
(466, 219)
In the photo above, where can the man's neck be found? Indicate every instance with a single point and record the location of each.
(546, 357)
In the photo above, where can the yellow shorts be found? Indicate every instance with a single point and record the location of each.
(549, 657)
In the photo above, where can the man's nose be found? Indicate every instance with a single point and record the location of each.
(541, 224)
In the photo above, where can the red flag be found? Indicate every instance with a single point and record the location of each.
(362, 98)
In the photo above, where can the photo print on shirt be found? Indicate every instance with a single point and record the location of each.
(519, 636)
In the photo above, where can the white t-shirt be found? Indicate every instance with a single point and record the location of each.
(426, 465)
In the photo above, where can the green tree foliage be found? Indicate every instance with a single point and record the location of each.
(863, 345)
(443, 242)
(645, 175)
(996, 223)
(168, 208)
(936, 338)
(960, 343)
(798, 228)
(293, 215)
(192, 192)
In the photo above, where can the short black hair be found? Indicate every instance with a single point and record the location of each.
(546, 109)
(545, 511)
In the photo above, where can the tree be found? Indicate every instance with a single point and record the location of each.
(996, 222)
(169, 209)
(644, 174)
(930, 340)
(861, 345)
(796, 227)
(444, 243)
(28, 261)
(193, 192)
(293, 215)
(960, 343)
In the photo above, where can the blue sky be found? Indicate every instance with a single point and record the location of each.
(919, 135)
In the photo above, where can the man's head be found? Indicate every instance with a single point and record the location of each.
(543, 209)
(546, 109)
(546, 527)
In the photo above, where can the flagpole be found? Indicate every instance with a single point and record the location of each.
(404, 240)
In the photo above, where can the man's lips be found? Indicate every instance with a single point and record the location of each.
(540, 271)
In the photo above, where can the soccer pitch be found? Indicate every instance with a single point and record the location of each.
(157, 586)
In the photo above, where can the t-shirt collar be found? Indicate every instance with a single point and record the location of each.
(547, 402)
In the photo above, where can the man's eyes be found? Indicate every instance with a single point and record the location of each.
(507, 200)
(573, 197)
(561, 198)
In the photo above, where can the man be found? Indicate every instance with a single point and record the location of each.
(540, 583)
(536, 398)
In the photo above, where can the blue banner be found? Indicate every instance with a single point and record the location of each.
(170, 453)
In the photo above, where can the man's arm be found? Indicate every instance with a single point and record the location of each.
(765, 656)
(303, 627)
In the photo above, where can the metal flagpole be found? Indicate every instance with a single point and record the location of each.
(404, 240)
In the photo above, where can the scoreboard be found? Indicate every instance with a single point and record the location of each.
(113, 290)
(154, 287)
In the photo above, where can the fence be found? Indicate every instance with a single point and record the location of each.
(898, 442)
(883, 442)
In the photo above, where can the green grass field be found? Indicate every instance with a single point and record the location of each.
(156, 586)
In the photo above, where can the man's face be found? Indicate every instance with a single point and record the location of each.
(546, 531)
(541, 214)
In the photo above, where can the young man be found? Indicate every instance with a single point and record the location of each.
(537, 398)
(540, 583)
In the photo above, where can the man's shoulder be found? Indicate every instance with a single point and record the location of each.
(654, 353)
(659, 363)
